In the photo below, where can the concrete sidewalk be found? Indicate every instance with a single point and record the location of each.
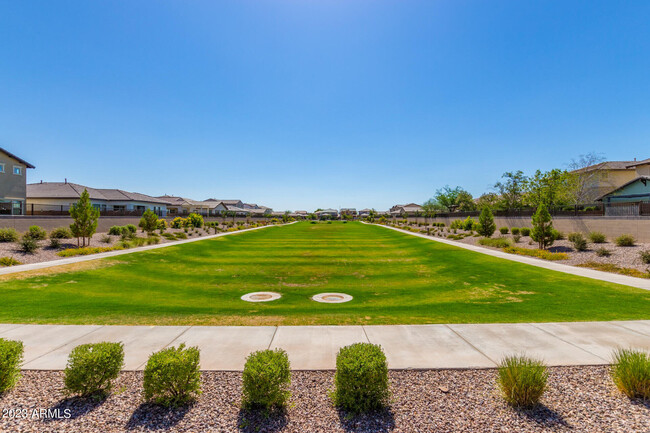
(640, 283)
(315, 347)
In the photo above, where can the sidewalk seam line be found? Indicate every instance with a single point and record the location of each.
(166, 345)
(629, 329)
(470, 344)
(365, 333)
(275, 331)
(65, 344)
(566, 341)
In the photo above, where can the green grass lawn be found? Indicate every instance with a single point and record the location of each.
(394, 278)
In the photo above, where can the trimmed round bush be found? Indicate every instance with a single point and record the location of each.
(28, 245)
(522, 380)
(361, 380)
(504, 230)
(92, 368)
(514, 230)
(631, 373)
(597, 238)
(172, 377)
(525, 231)
(8, 235)
(266, 379)
(11, 356)
(131, 228)
(115, 230)
(36, 232)
(61, 233)
(625, 241)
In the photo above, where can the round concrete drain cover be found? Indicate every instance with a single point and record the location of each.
(261, 296)
(332, 298)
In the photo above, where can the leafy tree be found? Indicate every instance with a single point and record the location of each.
(453, 198)
(465, 201)
(582, 182)
(431, 206)
(542, 231)
(512, 189)
(149, 221)
(548, 188)
(84, 216)
(488, 199)
(486, 223)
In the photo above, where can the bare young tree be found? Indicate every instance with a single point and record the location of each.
(583, 179)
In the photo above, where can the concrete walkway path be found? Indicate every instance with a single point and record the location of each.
(641, 283)
(71, 260)
(314, 347)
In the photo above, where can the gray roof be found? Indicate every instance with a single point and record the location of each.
(11, 155)
(68, 190)
(609, 165)
(637, 163)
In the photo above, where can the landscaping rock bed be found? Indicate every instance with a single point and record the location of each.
(579, 399)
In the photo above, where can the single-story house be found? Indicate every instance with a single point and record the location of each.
(13, 183)
(185, 206)
(57, 197)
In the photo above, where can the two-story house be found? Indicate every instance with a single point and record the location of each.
(13, 183)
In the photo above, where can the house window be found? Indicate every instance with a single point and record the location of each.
(2, 168)
(18, 170)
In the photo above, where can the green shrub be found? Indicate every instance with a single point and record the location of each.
(11, 356)
(85, 251)
(149, 221)
(516, 238)
(540, 254)
(361, 380)
(631, 373)
(525, 231)
(92, 368)
(195, 220)
(597, 237)
(266, 379)
(603, 252)
(578, 241)
(611, 267)
(625, 241)
(152, 240)
(645, 257)
(495, 242)
(522, 380)
(55, 242)
(504, 230)
(131, 228)
(28, 245)
(61, 233)
(105, 239)
(172, 377)
(9, 261)
(486, 224)
(514, 230)
(8, 235)
(115, 230)
(36, 233)
(557, 235)
(468, 224)
(170, 236)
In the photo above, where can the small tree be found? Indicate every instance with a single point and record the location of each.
(84, 217)
(149, 221)
(486, 223)
(542, 232)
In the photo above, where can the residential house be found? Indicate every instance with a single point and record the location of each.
(364, 213)
(405, 210)
(13, 183)
(632, 198)
(327, 213)
(608, 176)
(57, 197)
(348, 211)
(185, 206)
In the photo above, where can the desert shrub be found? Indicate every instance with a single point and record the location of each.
(266, 379)
(131, 228)
(504, 230)
(631, 373)
(152, 240)
(625, 241)
(540, 254)
(611, 267)
(162, 224)
(106, 239)
(522, 380)
(486, 224)
(514, 230)
(11, 356)
(36, 233)
(456, 224)
(516, 238)
(85, 251)
(28, 245)
(195, 220)
(169, 236)
(468, 224)
(495, 242)
(579, 242)
(557, 235)
(181, 235)
(172, 377)
(597, 237)
(178, 223)
(55, 242)
(8, 235)
(61, 233)
(525, 231)
(138, 242)
(645, 257)
(361, 380)
(92, 368)
(115, 230)
(603, 252)
(9, 261)
(149, 221)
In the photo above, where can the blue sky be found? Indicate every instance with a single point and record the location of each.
(303, 104)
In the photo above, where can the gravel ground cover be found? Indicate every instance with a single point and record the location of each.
(579, 399)
(627, 257)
